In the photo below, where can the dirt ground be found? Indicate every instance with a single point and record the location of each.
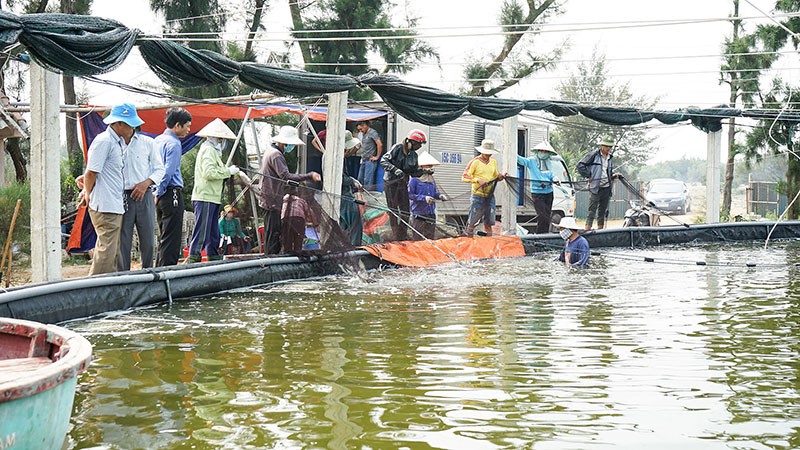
(698, 195)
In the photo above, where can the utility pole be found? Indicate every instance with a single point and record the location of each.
(508, 197)
(333, 158)
(45, 176)
(713, 167)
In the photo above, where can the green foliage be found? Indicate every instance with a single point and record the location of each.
(22, 230)
(578, 135)
(685, 169)
(69, 189)
(351, 56)
(490, 74)
(207, 19)
(187, 172)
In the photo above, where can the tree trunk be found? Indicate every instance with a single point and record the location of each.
(727, 186)
(259, 11)
(793, 187)
(74, 151)
(12, 147)
(297, 24)
(477, 88)
(42, 7)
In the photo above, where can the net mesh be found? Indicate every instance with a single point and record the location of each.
(76, 45)
(427, 227)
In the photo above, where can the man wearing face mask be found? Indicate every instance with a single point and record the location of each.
(210, 174)
(398, 164)
(274, 175)
(576, 250)
(541, 175)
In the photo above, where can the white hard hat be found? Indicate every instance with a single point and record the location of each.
(288, 135)
(217, 129)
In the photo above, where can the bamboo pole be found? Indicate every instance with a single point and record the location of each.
(7, 246)
(22, 107)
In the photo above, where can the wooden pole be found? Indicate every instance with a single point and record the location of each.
(333, 158)
(253, 203)
(508, 164)
(7, 246)
(239, 137)
(45, 176)
(23, 107)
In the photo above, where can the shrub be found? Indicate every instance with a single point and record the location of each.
(22, 229)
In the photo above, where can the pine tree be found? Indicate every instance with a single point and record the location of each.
(349, 57)
(578, 135)
(743, 64)
(514, 61)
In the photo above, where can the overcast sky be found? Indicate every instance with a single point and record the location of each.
(643, 56)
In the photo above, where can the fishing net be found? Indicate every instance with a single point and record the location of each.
(177, 65)
(293, 82)
(76, 45)
(10, 28)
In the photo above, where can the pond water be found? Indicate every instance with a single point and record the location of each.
(517, 353)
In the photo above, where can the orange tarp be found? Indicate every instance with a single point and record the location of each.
(431, 253)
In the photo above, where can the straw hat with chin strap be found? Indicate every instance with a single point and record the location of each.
(487, 147)
(349, 140)
(288, 135)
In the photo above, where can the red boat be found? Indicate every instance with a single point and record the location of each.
(39, 368)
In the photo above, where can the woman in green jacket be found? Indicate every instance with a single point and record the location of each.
(209, 175)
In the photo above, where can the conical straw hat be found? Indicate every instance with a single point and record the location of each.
(217, 129)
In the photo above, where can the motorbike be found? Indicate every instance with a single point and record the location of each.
(641, 215)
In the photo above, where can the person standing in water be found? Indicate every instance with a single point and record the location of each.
(576, 250)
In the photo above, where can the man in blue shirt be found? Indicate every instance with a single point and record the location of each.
(169, 196)
(576, 251)
(541, 176)
(103, 184)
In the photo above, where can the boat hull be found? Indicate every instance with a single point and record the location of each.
(39, 368)
(40, 421)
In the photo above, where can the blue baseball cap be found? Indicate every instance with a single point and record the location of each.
(124, 113)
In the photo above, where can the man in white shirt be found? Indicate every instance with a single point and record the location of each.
(103, 184)
(143, 169)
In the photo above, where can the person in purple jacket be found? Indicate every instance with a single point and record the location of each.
(421, 195)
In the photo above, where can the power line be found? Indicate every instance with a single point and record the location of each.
(623, 24)
(626, 25)
(568, 61)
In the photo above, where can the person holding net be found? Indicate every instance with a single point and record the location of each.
(296, 214)
(349, 213)
(274, 175)
(398, 164)
(422, 193)
(483, 174)
(540, 174)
